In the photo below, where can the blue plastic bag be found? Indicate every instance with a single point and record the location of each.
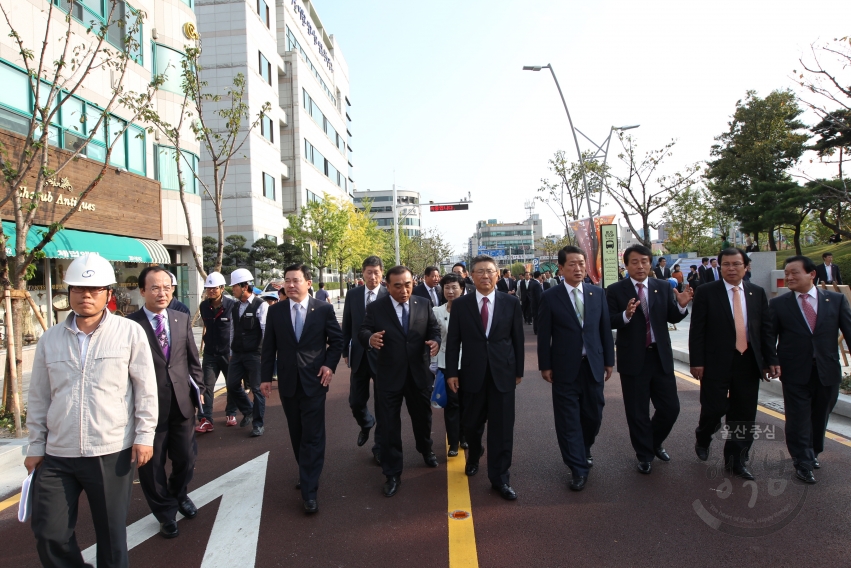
(438, 394)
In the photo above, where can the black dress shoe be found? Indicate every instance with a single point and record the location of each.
(246, 418)
(363, 436)
(464, 444)
(644, 467)
(430, 459)
(187, 508)
(376, 455)
(453, 452)
(740, 470)
(816, 464)
(471, 469)
(805, 475)
(662, 454)
(589, 459)
(257, 431)
(578, 482)
(702, 453)
(391, 486)
(506, 491)
(310, 506)
(298, 484)
(169, 529)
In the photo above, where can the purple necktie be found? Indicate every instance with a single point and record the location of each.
(644, 308)
(162, 337)
(485, 314)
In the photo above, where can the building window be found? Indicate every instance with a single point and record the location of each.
(268, 187)
(166, 169)
(263, 11)
(266, 129)
(265, 68)
(293, 45)
(168, 64)
(120, 32)
(272, 238)
(312, 197)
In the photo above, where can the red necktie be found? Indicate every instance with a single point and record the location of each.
(809, 312)
(485, 315)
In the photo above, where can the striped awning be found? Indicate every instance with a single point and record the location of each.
(158, 252)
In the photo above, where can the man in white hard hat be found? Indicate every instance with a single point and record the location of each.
(92, 412)
(218, 335)
(174, 303)
(249, 323)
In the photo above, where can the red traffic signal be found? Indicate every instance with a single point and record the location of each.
(453, 207)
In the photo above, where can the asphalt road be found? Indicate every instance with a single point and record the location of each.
(686, 513)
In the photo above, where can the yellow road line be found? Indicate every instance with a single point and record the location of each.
(462, 535)
(13, 500)
(219, 392)
(835, 437)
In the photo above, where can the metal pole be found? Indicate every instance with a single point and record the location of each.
(396, 223)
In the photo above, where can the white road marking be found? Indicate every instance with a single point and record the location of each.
(237, 525)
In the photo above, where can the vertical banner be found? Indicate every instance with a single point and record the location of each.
(609, 253)
(586, 238)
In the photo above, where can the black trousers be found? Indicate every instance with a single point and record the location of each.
(734, 395)
(495, 408)
(359, 397)
(808, 407)
(388, 406)
(176, 442)
(526, 306)
(246, 365)
(212, 366)
(107, 481)
(650, 384)
(578, 413)
(306, 422)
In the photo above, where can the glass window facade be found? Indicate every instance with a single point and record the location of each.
(168, 63)
(266, 129)
(265, 68)
(293, 45)
(268, 186)
(263, 11)
(166, 169)
(320, 119)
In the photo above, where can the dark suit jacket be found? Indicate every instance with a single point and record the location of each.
(469, 288)
(321, 344)
(712, 333)
(353, 314)
(503, 287)
(821, 274)
(420, 290)
(798, 346)
(632, 336)
(663, 273)
(182, 366)
(502, 349)
(559, 329)
(706, 274)
(535, 291)
(401, 354)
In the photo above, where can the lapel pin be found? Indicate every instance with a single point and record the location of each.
(827, 299)
(750, 293)
(655, 291)
(590, 293)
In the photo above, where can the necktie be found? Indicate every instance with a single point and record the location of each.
(162, 337)
(580, 305)
(809, 312)
(642, 298)
(434, 297)
(485, 315)
(369, 298)
(739, 319)
(299, 323)
(405, 318)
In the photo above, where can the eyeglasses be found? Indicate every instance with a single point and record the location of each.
(732, 265)
(158, 289)
(483, 271)
(93, 290)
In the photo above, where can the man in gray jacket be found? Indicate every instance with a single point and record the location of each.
(92, 412)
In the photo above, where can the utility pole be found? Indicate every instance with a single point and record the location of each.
(396, 222)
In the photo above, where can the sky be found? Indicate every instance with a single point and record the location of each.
(440, 103)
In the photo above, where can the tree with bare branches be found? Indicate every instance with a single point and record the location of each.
(644, 190)
(57, 70)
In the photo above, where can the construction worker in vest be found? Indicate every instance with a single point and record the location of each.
(92, 414)
(216, 312)
(249, 323)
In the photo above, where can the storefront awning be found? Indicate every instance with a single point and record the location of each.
(69, 243)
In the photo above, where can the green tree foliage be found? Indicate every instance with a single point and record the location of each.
(517, 270)
(690, 218)
(236, 255)
(266, 260)
(318, 230)
(751, 161)
(429, 248)
(566, 196)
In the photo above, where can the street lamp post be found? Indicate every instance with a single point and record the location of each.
(600, 149)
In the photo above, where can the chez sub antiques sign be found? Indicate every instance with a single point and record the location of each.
(121, 204)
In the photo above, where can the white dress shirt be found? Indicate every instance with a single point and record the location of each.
(433, 295)
(374, 292)
(715, 272)
(741, 297)
(646, 281)
(570, 290)
(302, 309)
(828, 270)
(83, 338)
(813, 302)
(491, 297)
(398, 307)
(153, 321)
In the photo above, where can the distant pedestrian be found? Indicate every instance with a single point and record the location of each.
(828, 272)
(322, 295)
(677, 275)
(662, 271)
(452, 285)
(693, 277)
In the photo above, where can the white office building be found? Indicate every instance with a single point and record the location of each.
(301, 152)
(507, 242)
(381, 209)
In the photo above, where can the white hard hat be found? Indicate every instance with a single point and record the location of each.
(241, 275)
(173, 278)
(214, 280)
(90, 270)
(272, 295)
